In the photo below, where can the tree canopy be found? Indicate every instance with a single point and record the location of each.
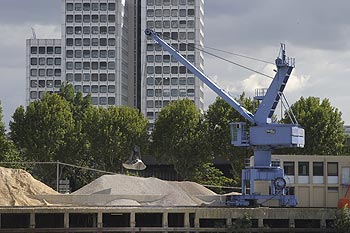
(323, 124)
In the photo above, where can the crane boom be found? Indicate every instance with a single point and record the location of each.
(213, 86)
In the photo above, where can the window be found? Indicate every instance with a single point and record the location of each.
(77, 88)
(332, 169)
(77, 77)
(150, 2)
(86, 18)
(103, 100)
(111, 65)
(111, 89)
(33, 95)
(86, 65)
(86, 88)
(94, 6)
(103, 77)
(69, 77)
(317, 168)
(41, 61)
(57, 83)
(33, 61)
(182, 70)
(190, 2)
(69, 53)
(78, 30)
(190, 12)
(174, 92)
(150, 58)
(150, 92)
(78, 53)
(111, 18)
(49, 72)
(103, 89)
(158, 2)
(78, 18)
(94, 42)
(150, 104)
(41, 72)
(158, 24)
(86, 6)
(182, 2)
(78, 42)
(94, 30)
(150, 70)
(111, 77)
(111, 41)
(158, 13)
(78, 6)
(94, 53)
(111, 53)
(150, 13)
(158, 69)
(57, 50)
(190, 35)
(174, 13)
(166, 58)
(94, 18)
(158, 58)
(57, 72)
(111, 6)
(33, 72)
(166, 69)
(86, 54)
(103, 42)
(166, 12)
(103, 65)
(94, 100)
(86, 30)
(86, 42)
(103, 53)
(166, 24)
(49, 83)
(41, 50)
(303, 168)
(94, 77)
(103, 6)
(49, 50)
(174, 81)
(174, 69)
(33, 50)
(94, 65)
(103, 18)
(182, 13)
(103, 30)
(33, 83)
(94, 88)
(41, 83)
(69, 6)
(111, 100)
(182, 47)
(190, 81)
(86, 77)
(190, 92)
(182, 24)
(69, 65)
(190, 23)
(182, 81)
(166, 2)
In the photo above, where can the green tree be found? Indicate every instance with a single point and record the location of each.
(324, 128)
(179, 137)
(342, 220)
(219, 116)
(112, 134)
(41, 131)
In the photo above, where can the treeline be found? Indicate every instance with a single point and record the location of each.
(66, 127)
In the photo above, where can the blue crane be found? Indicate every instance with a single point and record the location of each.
(264, 135)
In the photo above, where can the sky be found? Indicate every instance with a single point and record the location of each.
(315, 33)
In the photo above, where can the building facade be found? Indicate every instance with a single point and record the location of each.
(316, 180)
(96, 52)
(44, 67)
(180, 23)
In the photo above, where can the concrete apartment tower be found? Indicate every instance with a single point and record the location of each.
(96, 52)
(180, 23)
(43, 71)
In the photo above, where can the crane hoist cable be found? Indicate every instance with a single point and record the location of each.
(225, 59)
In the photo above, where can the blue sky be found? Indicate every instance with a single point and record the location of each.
(315, 33)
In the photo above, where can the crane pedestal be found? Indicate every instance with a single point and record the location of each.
(262, 170)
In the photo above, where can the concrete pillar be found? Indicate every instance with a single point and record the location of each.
(32, 220)
(323, 223)
(228, 222)
(260, 222)
(165, 219)
(187, 219)
(196, 222)
(99, 219)
(291, 223)
(66, 220)
(132, 219)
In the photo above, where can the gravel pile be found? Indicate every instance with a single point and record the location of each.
(171, 193)
(18, 187)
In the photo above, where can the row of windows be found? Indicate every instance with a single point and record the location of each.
(169, 92)
(90, 18)
(90, 65)
(86, 30)
(181, 47)
(45, 61)
(90, 7)
(39, 94)
(157, 103)
(304, 170)
(167, 2)
(172, 13)
(171, 24)
(103, 100)
(90, 42)
(45, 50)
(172, 81)
(176, 35)
(45, 72)
(90, 53)
(167, 58)
(103, 77)
(95, 88)
(45, 83)
(167, 70)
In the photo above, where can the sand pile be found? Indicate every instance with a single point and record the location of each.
(170, 193)
(18, 187)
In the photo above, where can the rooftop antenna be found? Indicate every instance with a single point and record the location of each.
(33, 34)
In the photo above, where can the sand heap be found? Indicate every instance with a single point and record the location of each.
(170, 193)
(18, 187)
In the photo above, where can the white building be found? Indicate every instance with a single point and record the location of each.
(180, 23)
(95, 42)
(43, 71)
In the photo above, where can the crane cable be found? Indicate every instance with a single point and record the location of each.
(225, 59)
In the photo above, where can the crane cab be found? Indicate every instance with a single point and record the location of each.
(239, 135)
